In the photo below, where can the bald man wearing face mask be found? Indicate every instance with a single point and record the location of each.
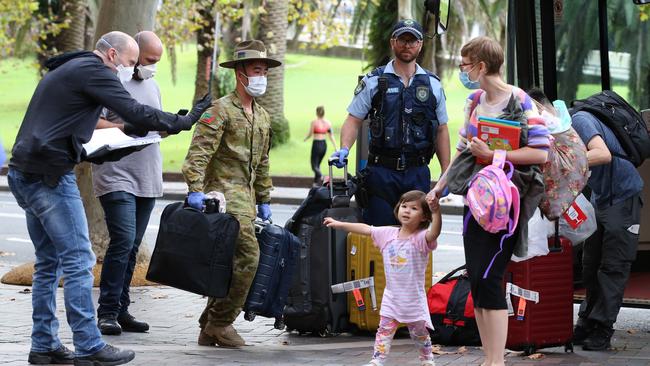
(127, 190)
(60, 118)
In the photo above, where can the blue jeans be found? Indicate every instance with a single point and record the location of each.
(127, 217)
(57, 225)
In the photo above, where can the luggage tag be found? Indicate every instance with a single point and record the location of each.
(574, 216)
(523, 294)
(358, 299)
(522, 309)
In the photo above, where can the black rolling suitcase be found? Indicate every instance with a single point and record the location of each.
(278, 256)
(311, 306)
(194, 250)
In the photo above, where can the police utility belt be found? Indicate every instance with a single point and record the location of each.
(397, 163)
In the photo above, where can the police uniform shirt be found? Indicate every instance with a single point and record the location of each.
(361, 103)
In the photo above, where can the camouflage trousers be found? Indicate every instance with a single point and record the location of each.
(221, 312)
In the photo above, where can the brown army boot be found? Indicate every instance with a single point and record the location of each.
(223, 336)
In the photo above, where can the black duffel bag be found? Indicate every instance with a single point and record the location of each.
(194, 250)
(452, 311)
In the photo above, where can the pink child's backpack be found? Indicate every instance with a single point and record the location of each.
(491, 197)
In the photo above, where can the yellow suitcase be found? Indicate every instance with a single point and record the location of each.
(365, 260)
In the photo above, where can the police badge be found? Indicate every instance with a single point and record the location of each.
(422, 93)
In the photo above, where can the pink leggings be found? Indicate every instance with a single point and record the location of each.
(384, 338)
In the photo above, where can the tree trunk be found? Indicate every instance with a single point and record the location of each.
(129, 17)
(91, 12)
(72, 38)
(273, 32)
(246, 21)
(404, 10)
(293, 44)
(126, 16)
(205, 38)
(97, 230)
(427, 56)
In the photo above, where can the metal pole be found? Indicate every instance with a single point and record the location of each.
(604, 45)
(549, 66)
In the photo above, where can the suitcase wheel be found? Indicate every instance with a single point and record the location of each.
(326, 332)
(279, 324)
(250, 316)
(568, 347)
(529, 349)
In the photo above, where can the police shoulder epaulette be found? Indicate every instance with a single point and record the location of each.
(432, 75)
(377, 72)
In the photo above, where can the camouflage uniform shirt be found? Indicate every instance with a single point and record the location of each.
(229, 153)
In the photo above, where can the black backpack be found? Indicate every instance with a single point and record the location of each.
(625, 121)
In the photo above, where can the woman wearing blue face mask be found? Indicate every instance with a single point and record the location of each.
(480, 70)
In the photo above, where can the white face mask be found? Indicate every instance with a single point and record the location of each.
(256, 85)
(146, 72)
(125, 73)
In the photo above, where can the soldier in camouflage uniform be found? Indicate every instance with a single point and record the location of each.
(229, 154)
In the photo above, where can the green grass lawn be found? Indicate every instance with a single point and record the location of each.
(309, 81)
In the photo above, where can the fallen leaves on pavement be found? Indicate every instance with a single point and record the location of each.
(437, 350)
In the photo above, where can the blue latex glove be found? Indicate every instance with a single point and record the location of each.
(340, 155)
(264, 211)
(195, 200)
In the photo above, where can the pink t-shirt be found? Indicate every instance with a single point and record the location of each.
(405, 264)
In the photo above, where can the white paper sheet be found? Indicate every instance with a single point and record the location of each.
(114, 138)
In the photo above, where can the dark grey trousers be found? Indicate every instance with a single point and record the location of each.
(607, 259)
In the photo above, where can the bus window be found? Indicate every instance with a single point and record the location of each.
(578, 55)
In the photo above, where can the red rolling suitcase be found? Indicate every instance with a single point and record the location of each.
(549, 322)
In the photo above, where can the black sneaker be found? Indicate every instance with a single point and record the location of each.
(107, 356)
(60, 356)
(598, 339)
(129, 324)
(581, 332)
(109, 326)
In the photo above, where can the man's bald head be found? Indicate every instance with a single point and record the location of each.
(119, 48)
(151, 47)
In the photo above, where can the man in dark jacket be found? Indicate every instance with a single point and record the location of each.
(61, 116)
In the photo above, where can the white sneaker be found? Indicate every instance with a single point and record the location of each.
(373, 363)
(428, 363)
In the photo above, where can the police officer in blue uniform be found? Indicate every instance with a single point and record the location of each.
(408, 125)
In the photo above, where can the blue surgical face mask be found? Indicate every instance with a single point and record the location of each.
(563, 115)
(467, 82)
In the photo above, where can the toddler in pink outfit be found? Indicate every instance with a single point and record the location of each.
(405, 251)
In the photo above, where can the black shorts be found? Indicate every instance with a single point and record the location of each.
(480, 248)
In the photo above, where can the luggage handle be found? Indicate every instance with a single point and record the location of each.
(213, 208)
(557, 245)
(330, 163)
(451, 273)
(260, 224)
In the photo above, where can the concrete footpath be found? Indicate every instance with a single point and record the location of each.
(173, 316)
